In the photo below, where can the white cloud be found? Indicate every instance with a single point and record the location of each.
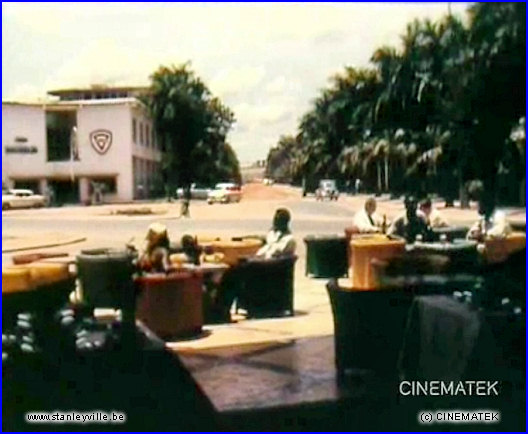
(103, 61)
(266, 61)
(236, 80)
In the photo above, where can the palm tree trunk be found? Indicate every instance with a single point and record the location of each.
(386, 173)
(378, 165)
(462, 193)
(522, 192)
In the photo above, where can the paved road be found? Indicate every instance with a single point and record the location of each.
(251, 216)
(309, 217)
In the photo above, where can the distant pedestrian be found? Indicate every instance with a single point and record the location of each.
(50, 196)
(357, 185)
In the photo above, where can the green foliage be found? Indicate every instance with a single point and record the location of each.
(428, 116)
(192, 126)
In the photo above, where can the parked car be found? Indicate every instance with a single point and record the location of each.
(18, 198)
(225, 192)
(197, 192)
(327, 190)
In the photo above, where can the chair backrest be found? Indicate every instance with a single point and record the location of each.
(267, 286)
(368, 327)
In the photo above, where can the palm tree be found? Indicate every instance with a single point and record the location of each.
(190, 123)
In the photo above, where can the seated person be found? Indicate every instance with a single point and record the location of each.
(491, 223)
(410, 224)
(155, 254)
(365, 220)
(191, 249)
(279, 241)
(496, 226)
(431, 215)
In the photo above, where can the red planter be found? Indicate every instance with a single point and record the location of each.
(171, 305)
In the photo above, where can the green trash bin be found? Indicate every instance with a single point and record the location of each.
(106, 278)
(326, 255)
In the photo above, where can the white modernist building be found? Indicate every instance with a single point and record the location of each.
(86, 139)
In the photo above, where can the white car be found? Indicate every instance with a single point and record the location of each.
(18, 198)
(327, 190)
(225, 192)
(197, 192)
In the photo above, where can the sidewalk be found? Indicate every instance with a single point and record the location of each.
(313, 317)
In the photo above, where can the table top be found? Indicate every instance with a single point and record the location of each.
(324, 237)
(182, 274)
(267, 375)
(376, 242)
(206, 267)
(448, 229)
(442, 246)
(60, 260)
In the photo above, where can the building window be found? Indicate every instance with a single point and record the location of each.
(134, 130)
(147, 135)
(28, 184)
(141, 133)
(59, 127)
(154, 142)
(108, 185)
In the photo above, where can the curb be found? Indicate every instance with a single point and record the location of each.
(44, 245)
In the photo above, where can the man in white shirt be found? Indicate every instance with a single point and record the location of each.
(431, 215)
(365, 220)
(496, 226)
(279, 241)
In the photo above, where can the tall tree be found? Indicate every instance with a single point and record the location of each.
(498, 38)
(434, 114)
(190, 123)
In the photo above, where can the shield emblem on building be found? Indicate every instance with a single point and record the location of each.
(101, 140)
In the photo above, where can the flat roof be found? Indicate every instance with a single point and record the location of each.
(102, 101)
(32, 104)
(76, 103)
(97, 88)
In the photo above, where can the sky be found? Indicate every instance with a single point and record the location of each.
(266, 61)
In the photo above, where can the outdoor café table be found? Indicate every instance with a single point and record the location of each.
(234, 250)
(70, 261)
(282, 385)
(171, 304)
(36, 288)
(497, 250)
(367, 250)
(452, 340)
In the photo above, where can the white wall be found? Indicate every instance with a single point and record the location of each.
(29, 122)
(117, 160)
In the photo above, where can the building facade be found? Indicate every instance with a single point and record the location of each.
(87, 142)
